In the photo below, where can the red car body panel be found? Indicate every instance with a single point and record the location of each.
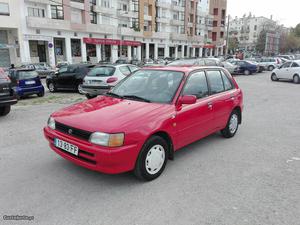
(139, 120)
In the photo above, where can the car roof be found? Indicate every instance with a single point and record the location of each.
(22, 69)
(185, 69)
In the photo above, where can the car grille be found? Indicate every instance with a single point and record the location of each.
(81, 134)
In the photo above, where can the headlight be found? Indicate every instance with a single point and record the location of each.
(109, 140)
(51, 123)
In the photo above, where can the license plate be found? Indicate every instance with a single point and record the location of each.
(30, 82)
(73, 149)
(96, 82)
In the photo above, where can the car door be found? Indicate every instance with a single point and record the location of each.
(194, 121)
(294, 69)
(65, 79)
(284, 70)
(222, 97)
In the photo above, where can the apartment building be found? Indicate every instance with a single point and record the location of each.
(246, 31)
(218, 9)
(80, 30)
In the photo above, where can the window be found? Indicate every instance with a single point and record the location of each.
(216, 11)
(196, 85)
(4, 9)
(125, 70)
(286, 65)
(215, 23)
(76, 47)
(133, 68)
(215, 81)
(57, 12)
(36, 12)
(295, 65)
(226, 81)
(93, 16)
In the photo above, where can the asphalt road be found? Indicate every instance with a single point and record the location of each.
(252, 179)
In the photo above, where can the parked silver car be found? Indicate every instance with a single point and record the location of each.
(102, 78)
(230, 67)
(43, 69)
(269, 63)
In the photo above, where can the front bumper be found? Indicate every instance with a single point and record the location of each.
(98, 158)
(95, 90)
(8, 100)
(30, 90)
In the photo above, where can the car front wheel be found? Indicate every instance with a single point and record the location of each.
(296, 79)
(152, 159)
(232, 125)
(270, 68)
(274, 77)
(247, 72)
(4, 110)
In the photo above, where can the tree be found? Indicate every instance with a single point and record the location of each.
(296, 30)
(233, 44)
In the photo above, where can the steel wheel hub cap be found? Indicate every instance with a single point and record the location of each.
(51, 87)
(233, 123)
(155, 159)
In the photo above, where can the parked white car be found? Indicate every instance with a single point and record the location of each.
(288, 71)
(102, 78)
(230, 67)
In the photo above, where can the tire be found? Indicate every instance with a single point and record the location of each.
(274, 77)
(4, 110)
(79, 89)
(247, 72)
(89, 96)
(271, 68)
(232, 125)
(52, 88)
(296, 79)
(152, 159)
(41, 94)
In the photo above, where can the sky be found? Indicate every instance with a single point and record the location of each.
(286, 12)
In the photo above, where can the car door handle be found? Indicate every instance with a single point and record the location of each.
(210, 105)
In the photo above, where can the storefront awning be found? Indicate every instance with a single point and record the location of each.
(209, 46)
(8, 46)
(104, 41)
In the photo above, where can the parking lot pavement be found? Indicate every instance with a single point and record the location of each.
(248, 180)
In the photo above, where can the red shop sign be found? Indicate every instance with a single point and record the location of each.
(104, 41)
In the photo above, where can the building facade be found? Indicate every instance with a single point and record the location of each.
(80, 30)
(218, 9)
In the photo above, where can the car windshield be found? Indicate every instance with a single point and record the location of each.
(182, 62)
(103, 71)
(27, 74)
(150, 85)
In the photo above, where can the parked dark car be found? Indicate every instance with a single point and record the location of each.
(42, 69)
(68, 78)
(245, 67)
(26, 82)
(7, 95)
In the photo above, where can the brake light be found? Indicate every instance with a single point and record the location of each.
(7, 78)
(17, 82)
(112, 79)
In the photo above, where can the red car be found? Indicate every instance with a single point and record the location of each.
(142, 121)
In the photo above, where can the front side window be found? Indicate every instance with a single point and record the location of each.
(215, 81)
(153, 85)
(196, 85)
(286, 65)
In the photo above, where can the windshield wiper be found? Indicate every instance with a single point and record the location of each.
(113, 95)
(134, 97)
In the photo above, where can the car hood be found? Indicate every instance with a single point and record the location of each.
(108, 114)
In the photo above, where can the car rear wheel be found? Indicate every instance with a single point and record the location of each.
(41, 94)
(4, 110)
(52, 87)
(296, 79)
(274, 77)
(152, 159)
(270, 68)
(247, 72)
(232, 125)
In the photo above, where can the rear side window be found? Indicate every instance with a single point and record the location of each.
(215, 81)
(227, 83)
(103, 71)
(133, 68)
(27, 74)
(196, 85)
(125, 70)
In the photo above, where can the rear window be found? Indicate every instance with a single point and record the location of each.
(27, 74)
(103, 71)
(183, 62)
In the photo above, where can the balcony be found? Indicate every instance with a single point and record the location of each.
(147, 18)
(164, 5)
(128, 14)
(180, 37)
(161, 35)
(47, 23)
(47, 2)
(101, 28)
(130, 32)
(162, 20)
(177, 8)
(177, 22)
(104, 10)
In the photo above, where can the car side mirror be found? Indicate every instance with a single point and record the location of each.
(187, 100)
